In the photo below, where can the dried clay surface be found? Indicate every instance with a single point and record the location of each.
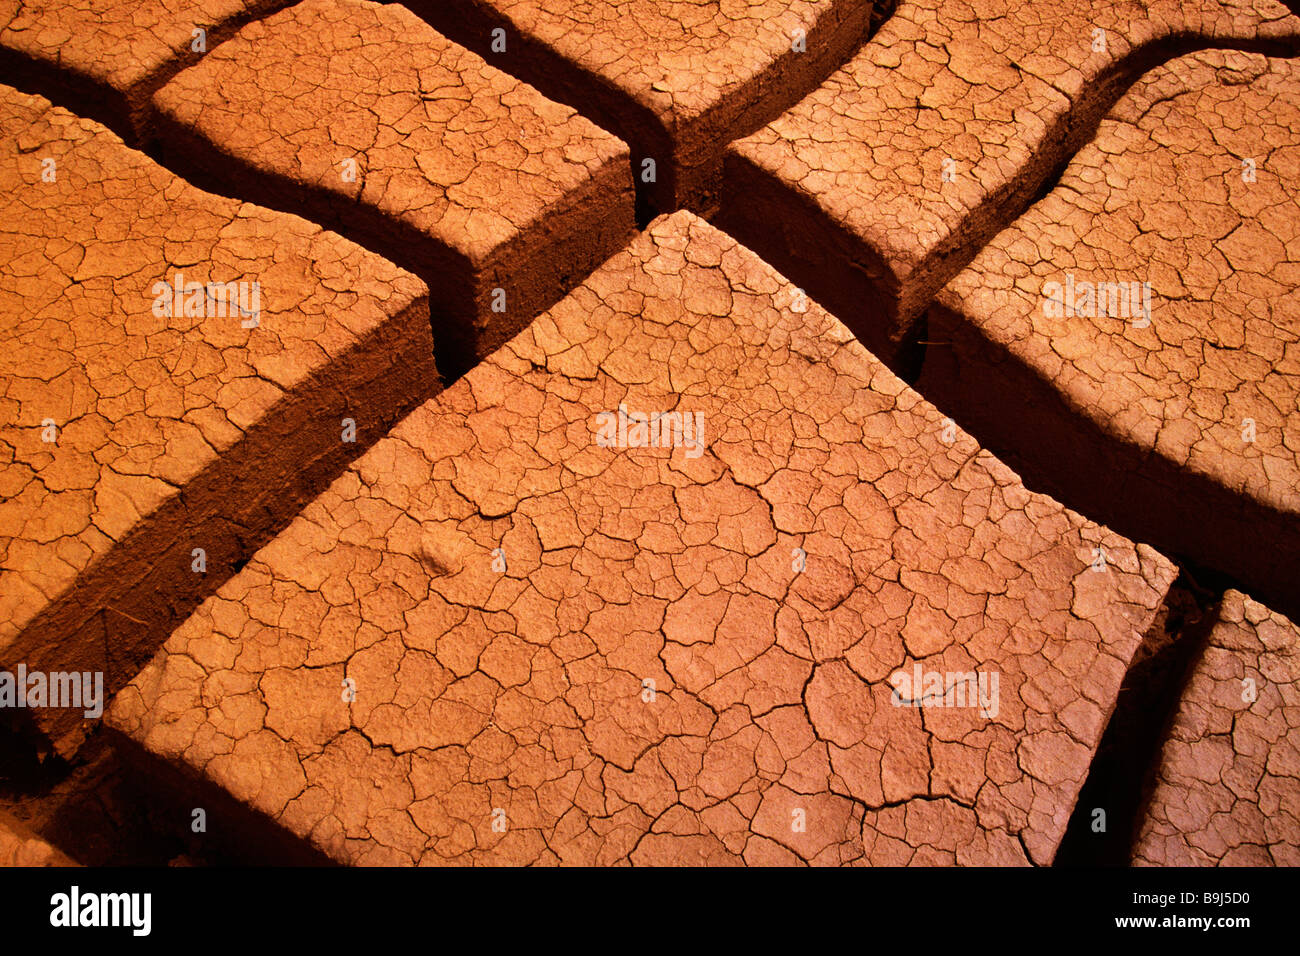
(1227, 787)
(139, 424)
(104, 58)
(942, 128)
(1142, 322)
(363, 118)
(677, 79)
(503, 638)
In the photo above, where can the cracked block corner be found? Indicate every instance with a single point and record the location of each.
(139, 424)
(498, 638)
(362, 117)
(907, 160)
(676, 79)
(105, 58)
(1226, 789)
(1143, 321)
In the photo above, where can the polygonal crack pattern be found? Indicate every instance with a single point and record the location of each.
(175, 374)
(364, 118)
(108, 56)
(1227, 785)
(676, 79)
(553, 650)
(940, 130)
(677, 570)
(1143, 320)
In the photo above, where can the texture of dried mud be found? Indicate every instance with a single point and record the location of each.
(1004, 89)
(492, 638)
(463, 174)
(677, 79)
(130, 438)
(1201, 398)
(520, 696)
(1227, 787)
(108, 56)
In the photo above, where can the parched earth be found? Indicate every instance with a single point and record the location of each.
(629, 432)
(1225, 786)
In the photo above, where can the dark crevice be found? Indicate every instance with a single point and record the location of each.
(857, 284)
(126, 113)
(458, 346)
(122, 607)
(100, 810)
(1071, 132)
(1120, 776)
(1016, 413)
(784, 82)
(447, 274)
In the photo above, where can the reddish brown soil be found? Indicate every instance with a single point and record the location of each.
(483, 631)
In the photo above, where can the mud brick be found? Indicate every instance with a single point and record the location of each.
(1227, 786)
(676, 79)
(105, 58)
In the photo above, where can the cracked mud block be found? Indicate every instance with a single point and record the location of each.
(365, 119)
(105, 58)
(878, 188)
(1182, 428)
(518, 631)
(1227, 788)
(676, 79)
(20, 847)
(139, 425)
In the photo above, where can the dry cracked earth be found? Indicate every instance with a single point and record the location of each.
(668, 432)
